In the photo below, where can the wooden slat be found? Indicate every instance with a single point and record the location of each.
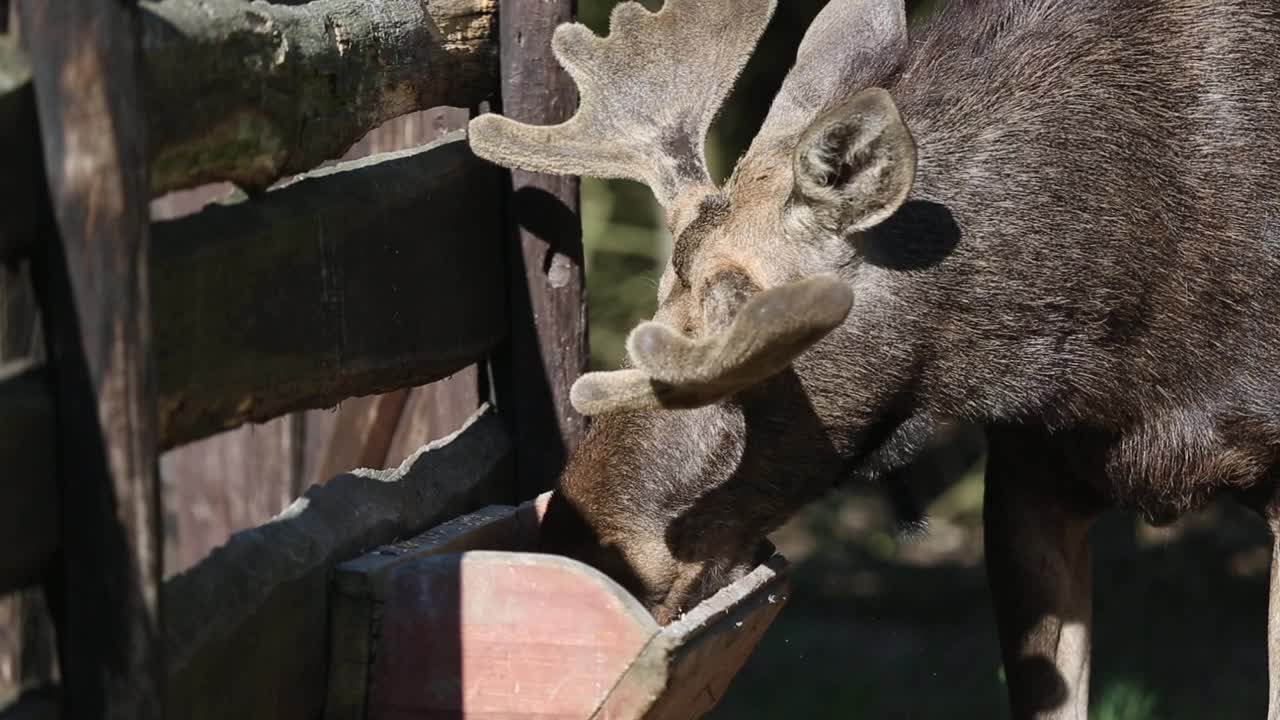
(548, 347)
(226, 483)
(363, 432)
(366, 277)
(435, 410)
(247, 627)
(28, 501)
(83, 58)
(255, 94)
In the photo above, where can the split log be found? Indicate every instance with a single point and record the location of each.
(373, 275)
(253, 92)
(94, 289)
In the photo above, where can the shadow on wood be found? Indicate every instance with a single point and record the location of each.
(462, 623)
(245, 628)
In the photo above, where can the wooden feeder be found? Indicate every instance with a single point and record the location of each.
(460, 623)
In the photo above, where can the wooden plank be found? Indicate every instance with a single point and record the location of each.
(435, 410)
(252, 95)
(247, 625)
(363, 432)
(22, 182)
(227, 483)
(548, 345)
(366, 277)
(463, 622)
(96, 279)
(28, 498)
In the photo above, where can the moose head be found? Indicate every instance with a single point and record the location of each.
(736, 407)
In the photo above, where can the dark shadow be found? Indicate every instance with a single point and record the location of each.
(544, 250)
(105, 630)
(920, 235)
(547, 217)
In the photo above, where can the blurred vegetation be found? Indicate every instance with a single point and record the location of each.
(881, 628)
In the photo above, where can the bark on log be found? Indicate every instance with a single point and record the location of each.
(547, 350)
(254, 91)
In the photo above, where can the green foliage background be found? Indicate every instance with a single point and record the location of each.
(878, 628)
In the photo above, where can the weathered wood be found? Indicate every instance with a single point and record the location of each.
(28, 498)
(247, 626)
(463, 622)
(254, 92)
(84, 57)
(363, 432)
(435, 410)
(227, 483)
(22, 181)
(688, 668)
(365, 277)
(548, 346)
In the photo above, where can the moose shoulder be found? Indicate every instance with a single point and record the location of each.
(1056, 218)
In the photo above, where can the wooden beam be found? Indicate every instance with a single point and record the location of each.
(253, 93)
(247, 627)
(95, 290)
(28, 497)
(548, 346)
(366, 277)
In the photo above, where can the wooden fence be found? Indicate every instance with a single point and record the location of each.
(227, 215)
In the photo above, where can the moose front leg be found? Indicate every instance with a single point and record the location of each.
(1038, 567)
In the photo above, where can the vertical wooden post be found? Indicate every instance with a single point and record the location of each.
(547, 349)
(94, 289)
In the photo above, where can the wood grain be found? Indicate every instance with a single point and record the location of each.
(94, 287)
(246, 627)
(547, 350)
(362, 278)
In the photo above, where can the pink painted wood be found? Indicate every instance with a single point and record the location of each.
(460, 622)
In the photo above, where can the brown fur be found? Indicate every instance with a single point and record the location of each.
(1087, 262)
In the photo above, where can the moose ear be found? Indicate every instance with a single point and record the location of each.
(854, 166)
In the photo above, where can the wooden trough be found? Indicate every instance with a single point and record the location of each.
(460, 622)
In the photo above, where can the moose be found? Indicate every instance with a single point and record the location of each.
(1056, 219)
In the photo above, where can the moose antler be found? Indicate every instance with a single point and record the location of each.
(649, 93)
(675, 371)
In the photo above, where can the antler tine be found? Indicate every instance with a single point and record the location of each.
(674, 371)
(649, 93)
